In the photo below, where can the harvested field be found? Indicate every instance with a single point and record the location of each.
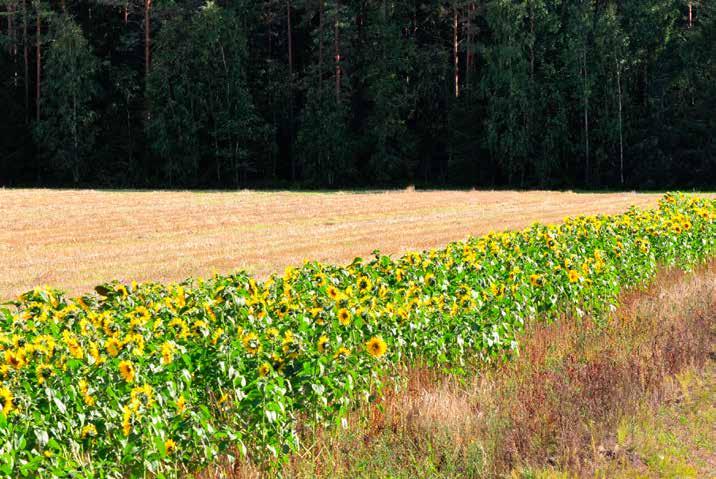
(76, 239)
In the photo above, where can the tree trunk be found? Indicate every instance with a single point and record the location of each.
(586, 117)
(337, 42)
(26, 56)
(691, 15)
(147, 36)
(290, 86)
(320, 46)
(38, 47)
(621, 139)
(456, 57)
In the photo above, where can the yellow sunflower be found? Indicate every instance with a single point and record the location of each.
(376, 347)
(344, 317)
(264, 369)
(251, 343)
(43, 372)
(113, 346)
(126, 370)
(88, 430)
(536, 280)
(342, 353)
(6, 400)
(323, 344)
(170, 446)
(573, 275)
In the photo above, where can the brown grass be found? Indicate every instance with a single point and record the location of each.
(77, 239)
(556, 407)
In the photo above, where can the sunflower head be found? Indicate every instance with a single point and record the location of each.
(573, 275)
(323, 344)
(170, 446)
(126, 370)
(6, 401)
(344, 317)
(376, 346)
(342, 353)
(251, 343)
(43, 371)
(264, 370)
(88, 431)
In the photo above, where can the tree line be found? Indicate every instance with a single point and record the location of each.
(358, 93)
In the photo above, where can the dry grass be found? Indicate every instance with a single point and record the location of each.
(77, 239)
(561, 409)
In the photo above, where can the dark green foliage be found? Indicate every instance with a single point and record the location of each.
(66, 130)
(551, 93)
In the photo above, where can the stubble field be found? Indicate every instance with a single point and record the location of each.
(75, 240)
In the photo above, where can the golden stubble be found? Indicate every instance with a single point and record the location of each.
(75, 239)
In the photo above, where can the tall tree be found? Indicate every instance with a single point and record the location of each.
(67, 129)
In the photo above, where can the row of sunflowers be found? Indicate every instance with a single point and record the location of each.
(153, 380)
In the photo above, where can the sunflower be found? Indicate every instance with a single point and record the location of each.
(333, 292)
(498, 290)
(376, 347)
(167, 352)
(342, 353)
(323, 344)
(6, 400)
(364, 284)
(143, 395)
(43, 372)
(113, 346)
(126, 420)
(88, 430)
(16, 359)
(251, 343)
(536, 280)
(170, 446)
(264, 369)
(573, 275)
(320, 279)
(344, 317)
(126, 370)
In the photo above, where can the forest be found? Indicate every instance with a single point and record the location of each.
(588, 94)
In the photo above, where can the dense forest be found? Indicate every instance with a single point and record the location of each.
(357, 93)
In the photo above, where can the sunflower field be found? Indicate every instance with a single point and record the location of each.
(153, 380)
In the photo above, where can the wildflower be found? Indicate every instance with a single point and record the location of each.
(536, 280)
(573, 275)
(332, 292)
(376, 346)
